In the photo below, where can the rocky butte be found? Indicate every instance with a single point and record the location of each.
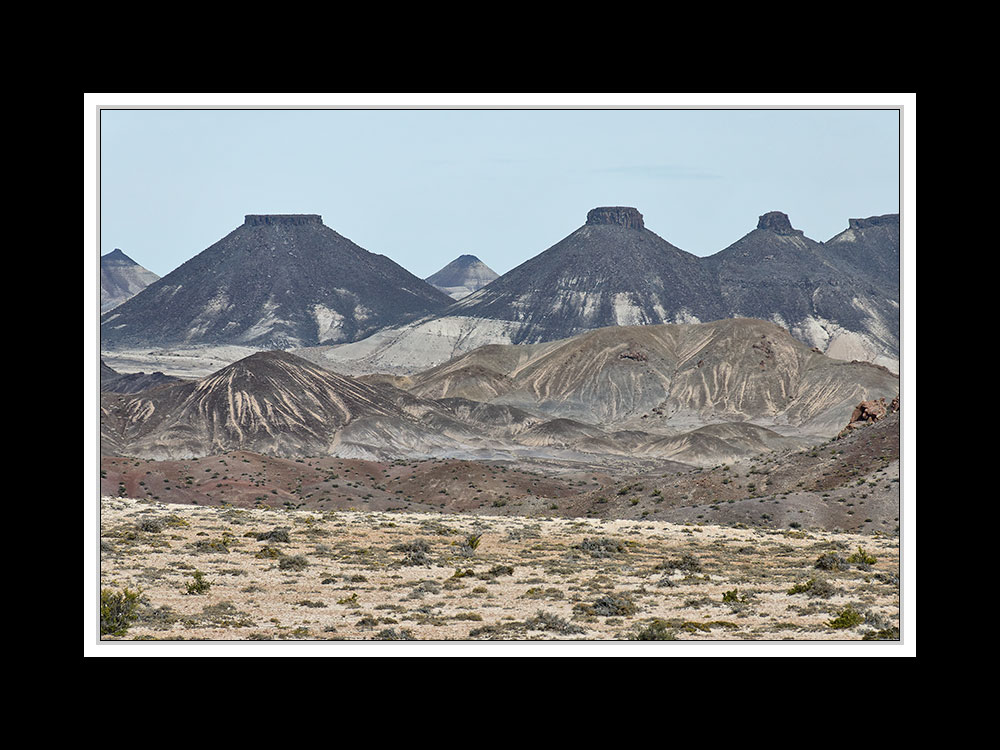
(623, 216)
(777, 222)
(291, 220)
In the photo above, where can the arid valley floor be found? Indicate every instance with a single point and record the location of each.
(268, 574)
(800, 546)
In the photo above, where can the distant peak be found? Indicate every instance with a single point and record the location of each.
(256, 220)
(623, 216)
(466, 258)
(117, 254)
(874, 221)
(777, 222)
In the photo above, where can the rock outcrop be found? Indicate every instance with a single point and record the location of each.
(886, 220)
(868, 412)
(291, 220)
(623, 216)
(777, 222)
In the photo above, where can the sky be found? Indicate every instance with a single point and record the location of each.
(424, 185)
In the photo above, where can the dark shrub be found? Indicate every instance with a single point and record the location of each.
(294, 562)
(274, 535)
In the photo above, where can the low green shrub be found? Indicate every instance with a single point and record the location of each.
(657, 630)
(199, 585)
(118, 610)
(848, 618)
(861, 557)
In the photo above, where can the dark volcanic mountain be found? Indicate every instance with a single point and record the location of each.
(872, 246)
(277, 281)
(121, 279)
(463, 276)
(773, 256)
(610, 271)
(613, 271)
(834, 299)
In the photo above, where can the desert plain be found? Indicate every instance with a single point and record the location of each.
(264, 574)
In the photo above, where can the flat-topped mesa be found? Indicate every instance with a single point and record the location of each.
(622, 216)
(257, 220)
(777, 222)
(874, 221)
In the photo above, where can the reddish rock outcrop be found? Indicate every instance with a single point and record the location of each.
(870, 411)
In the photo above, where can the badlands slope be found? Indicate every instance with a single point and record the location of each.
(667, 376)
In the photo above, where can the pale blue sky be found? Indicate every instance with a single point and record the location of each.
(424, 186)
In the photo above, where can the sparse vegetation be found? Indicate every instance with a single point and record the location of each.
(118, 610)
(395, 576)
(831, 561)
(602, 547)
(862, 558)
(847, 618)
(609, 605)
(293, 562)
(274, 535)
(415, 552)
(814, 587)
(470, 545)
(552, 623)
(200, 585)
(657, 630)
(885, 634)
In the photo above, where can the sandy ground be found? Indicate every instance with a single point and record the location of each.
(272, 575)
